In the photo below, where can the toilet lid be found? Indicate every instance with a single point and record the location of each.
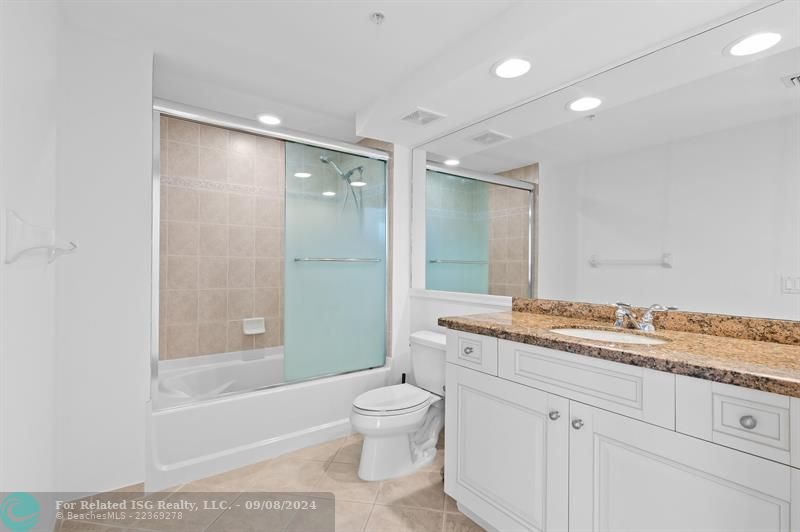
(389, 398)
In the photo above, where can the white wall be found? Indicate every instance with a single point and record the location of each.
(724, 204)
(27, 185)
(103, 291)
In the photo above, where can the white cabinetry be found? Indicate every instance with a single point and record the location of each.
(628, 476)
(558, 441)
(507, 451)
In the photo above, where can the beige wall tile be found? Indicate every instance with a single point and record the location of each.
(213, 137)
(236, 338)
(213, 240)
(241, 168)
(181, 238)
(213, 305)
(268, 243)
(240, 304)
(182, 160)
(181, 272)
(241, 241)
(213, 272)
(212, 164)
(164, 199)
(181, 340)
(181, 306)
(163, 233)
(268, 272)
(269, 174)
(182, 130)
(270, 149)
(266, 303)
(269, 212)
(212, 337)
(212, 207)
(241, 209)
(242, 143)
(240, 273)
(183, 204)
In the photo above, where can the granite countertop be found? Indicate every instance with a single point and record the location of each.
(766, 366)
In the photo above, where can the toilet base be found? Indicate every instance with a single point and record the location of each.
(396, 455)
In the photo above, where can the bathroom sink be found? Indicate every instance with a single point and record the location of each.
(616, 337)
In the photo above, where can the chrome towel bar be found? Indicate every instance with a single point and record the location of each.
(444, 261)
(334, 259)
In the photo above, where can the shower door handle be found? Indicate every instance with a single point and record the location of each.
(335, 259)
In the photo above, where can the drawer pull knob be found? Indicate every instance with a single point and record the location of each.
(748, 422)
(577, 424)
(468, 350)
(554, 415)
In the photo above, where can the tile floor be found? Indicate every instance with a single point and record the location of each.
(413, 503)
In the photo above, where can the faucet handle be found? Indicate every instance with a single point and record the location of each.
(658, 308)
(620, 304)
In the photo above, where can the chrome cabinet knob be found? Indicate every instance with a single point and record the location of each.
(555, 414)
(577, 424)
(748, 422)
(468, 350)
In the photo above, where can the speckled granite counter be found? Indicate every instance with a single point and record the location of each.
(767, 366)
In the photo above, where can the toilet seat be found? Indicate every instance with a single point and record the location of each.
(392, 400)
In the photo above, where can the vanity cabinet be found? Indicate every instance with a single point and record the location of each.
(507, 451)
(563, 442)
(626, 475)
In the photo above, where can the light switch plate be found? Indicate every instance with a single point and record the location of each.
(790, 285)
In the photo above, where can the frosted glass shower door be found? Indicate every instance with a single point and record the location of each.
(335, 298)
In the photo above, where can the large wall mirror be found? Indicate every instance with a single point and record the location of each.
(673, 178)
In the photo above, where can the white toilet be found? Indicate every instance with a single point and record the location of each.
(401, 423)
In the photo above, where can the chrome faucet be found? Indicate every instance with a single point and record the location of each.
(624, 310)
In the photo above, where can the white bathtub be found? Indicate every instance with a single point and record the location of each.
(193, 379)
(222, 429)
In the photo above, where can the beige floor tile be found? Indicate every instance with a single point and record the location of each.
(348, 517)
(460, 523)
(190, 520)
(350, 453)
(324, 452)
(351, 516)
(450, 504)
(342, 480)
(287, 474)
(423, 489)
(437, 463)
(117, 496)
(400, 519)
(233, 481)
(78, 526)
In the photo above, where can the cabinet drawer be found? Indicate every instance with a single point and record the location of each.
(753, 421)
(472, 351)
(635, 392)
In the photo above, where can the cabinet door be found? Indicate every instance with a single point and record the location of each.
(626, 475)
(506, 456)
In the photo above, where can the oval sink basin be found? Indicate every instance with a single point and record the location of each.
(610, 336)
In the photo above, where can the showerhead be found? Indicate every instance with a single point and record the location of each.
(324, 159)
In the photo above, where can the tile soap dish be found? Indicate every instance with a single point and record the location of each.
(251, 326)
(22, 238)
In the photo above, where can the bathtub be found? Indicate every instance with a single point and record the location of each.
(211, 418)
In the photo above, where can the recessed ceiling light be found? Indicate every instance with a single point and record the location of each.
(302, 175)
(452, 162)
(513, 67)
(358, 183)
(587, 103)
(270, 120)
(329, 193)
(752, 44)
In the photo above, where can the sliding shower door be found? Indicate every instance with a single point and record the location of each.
(335, 262)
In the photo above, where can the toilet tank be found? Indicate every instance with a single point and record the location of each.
(428, 359)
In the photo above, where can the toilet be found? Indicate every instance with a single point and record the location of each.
(401, 423)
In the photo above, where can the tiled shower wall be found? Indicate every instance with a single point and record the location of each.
(221, 259)
(508, 235)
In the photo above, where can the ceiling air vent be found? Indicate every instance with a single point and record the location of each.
(792, 81)
(422, 117)
(490, 137)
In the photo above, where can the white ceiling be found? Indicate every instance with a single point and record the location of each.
(688, 89)
(326, 69)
